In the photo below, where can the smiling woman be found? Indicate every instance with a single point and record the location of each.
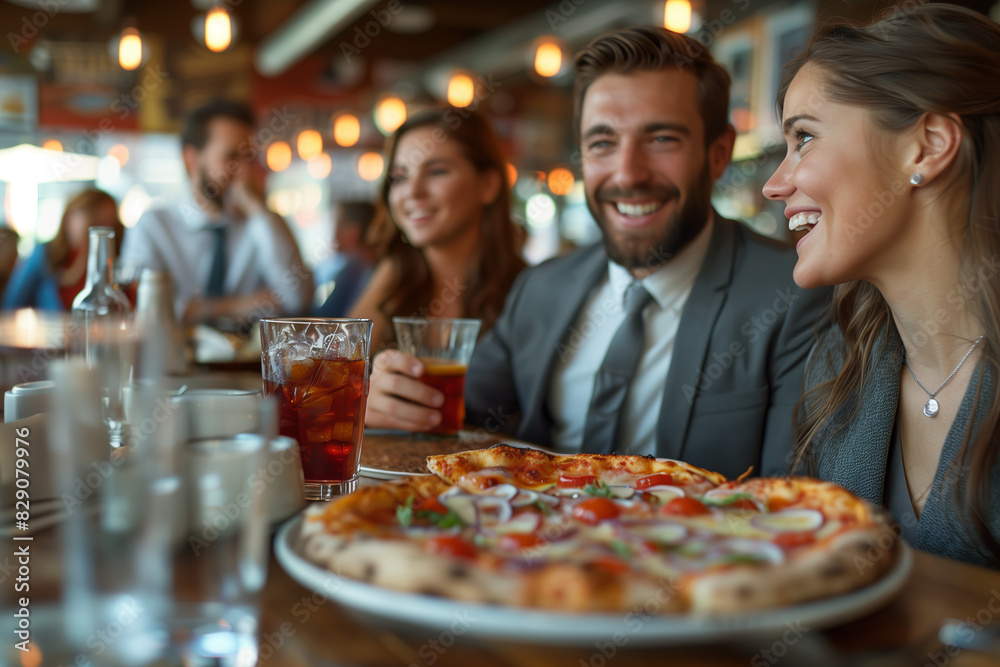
(443, 226)
(892, 169)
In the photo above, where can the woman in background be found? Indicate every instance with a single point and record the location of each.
(56, 271)
(893, 169)
(443, 230)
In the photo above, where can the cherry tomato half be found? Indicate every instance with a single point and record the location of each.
(518, 541)
(792, 540)
(451, 545)
(660, 478)
(610, 564)
(594, 510)
(685, 506)
(575, 481)
(431, 504)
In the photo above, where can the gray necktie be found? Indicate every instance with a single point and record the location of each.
(216, 285)
(613, 378)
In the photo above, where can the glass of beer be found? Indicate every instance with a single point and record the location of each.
(444, 346)
(318, 369)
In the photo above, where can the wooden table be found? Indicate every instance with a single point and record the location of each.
(300, 627)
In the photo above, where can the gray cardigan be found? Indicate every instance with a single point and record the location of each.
(856, 456)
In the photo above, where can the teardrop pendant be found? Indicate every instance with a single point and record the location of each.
(931, 408)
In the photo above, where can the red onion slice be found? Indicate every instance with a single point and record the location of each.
(665, 493)
(524, 498)
(506, 491)
(760, 549)
(789, 521)
(492, 510)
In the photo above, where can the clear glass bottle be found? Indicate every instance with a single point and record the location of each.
(101, 323)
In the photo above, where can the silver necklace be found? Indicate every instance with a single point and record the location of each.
(931, 406)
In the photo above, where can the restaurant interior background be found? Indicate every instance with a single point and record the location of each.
(92, 92)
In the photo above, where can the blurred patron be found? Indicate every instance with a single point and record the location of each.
(682, 335)
(228, 255)
(9, 239)
(56, 271)
(343, 276)
(443, 229)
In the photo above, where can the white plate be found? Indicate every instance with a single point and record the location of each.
(384, 473)
(379, 473)
(526, 625)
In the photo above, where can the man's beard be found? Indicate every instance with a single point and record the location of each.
(213, 192)
(643, 252)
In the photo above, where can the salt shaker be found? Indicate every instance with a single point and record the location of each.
(154, 315)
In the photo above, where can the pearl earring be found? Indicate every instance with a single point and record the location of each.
(916, 179)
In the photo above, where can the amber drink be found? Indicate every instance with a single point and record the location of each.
(448, 378)
(318, 369)
(444, 346)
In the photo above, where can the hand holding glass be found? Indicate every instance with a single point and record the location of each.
(444, 346)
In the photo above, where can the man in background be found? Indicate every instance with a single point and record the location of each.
(342, 277)
(227, 254)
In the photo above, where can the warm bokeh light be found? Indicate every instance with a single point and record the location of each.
(561, 181)
(511, 174)
(279, 156)
(319, 166)
(677, 15)
(32, 657)
(743, 119)
(218, 30)
(120, 153)
(461, 90)
(346, 130)
(390, 113)
(548, 59)
(309, 144)
(52, 145)
(130, 49)
(370, 166)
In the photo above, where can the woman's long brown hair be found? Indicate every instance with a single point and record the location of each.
(497, 258)
(88, 201)
(929, 58)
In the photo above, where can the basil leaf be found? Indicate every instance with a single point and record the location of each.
(728, 500)
(404, 513)
(544, 507)
(446, 520)
(735, 558)
(621, 548)
(599, 489)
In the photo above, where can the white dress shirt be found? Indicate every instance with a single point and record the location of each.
(590, 337)
(260, 250)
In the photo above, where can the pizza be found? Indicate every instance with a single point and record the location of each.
(601, 533)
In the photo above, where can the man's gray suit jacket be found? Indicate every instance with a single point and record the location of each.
(737, 366)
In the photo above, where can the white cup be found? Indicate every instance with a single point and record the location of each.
(27, 399)
(220, 413)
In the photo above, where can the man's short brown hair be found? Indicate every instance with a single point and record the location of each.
(648, 48)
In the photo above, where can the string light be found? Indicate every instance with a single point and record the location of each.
(346, 129)
(218, 30)
(370, 166)
(677, 15)
(461, 90)
(130, 49)
(279, 156)
(548, 59)
(309, 144)
(390, 113)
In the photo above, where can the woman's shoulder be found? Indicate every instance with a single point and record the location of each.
(827, 356)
